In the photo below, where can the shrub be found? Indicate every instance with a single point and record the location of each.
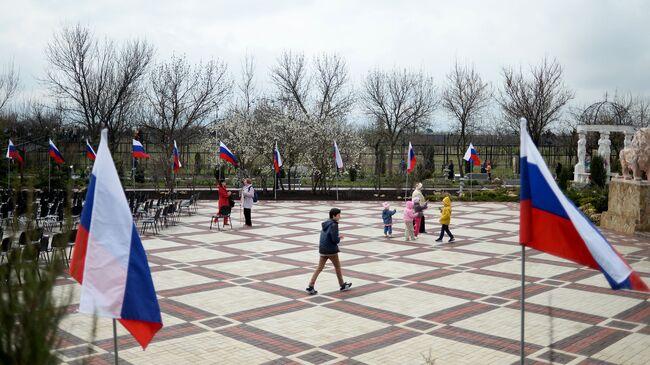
(565, 176)
(598, 171)
(596, 197)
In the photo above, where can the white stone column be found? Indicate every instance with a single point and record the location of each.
(579, 168)
(604, 149)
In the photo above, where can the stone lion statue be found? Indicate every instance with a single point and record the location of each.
(636, 157)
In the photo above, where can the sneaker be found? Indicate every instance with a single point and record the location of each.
(439, 240)
(451, 239)
(345, 286)
(311, 290)
(390, 236)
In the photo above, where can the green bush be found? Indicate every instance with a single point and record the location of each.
(566, 175)
(595, 196)
(598, 171)
(495, 195)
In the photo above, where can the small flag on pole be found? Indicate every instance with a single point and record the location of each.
(337, 156)
(138, 150)
(177, 157)
(55, 154)
(551, 223)
(411, 159)
(277, 159)
(90, 152)
(12, 153)
(472, 155)
(226, 154)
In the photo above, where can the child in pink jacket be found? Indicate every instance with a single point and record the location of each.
(409, 216)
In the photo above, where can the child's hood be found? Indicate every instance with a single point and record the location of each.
(446, 201)
(328, 223)
(409, 205)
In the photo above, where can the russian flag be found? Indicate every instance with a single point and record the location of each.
(55, 154)
(90, 153)
(138, 150)
(108, 258)
(277, 159)
(337, 157)
(411, 159)
(471, 155)
(12, 153)
(551, 223)
(226, 154)
(177, 157)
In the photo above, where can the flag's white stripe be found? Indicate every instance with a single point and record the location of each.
(137, 143)
(468, 153)
(109, 241)
(599, 248)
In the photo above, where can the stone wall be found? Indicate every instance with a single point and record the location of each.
(629, 207)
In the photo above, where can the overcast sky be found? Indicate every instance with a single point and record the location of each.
(602, 45)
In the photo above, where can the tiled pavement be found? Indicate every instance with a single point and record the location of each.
(237, 297)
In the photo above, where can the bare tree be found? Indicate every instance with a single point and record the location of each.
(403, 101)
(538, 97)
(465, 98)
(181, 100)
(246, 85)
(9, 80)
(99, 82)
(290, 76)
(334, 97)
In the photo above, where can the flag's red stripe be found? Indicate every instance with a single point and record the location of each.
(90, 155)
(56, 156)
(637, 283)
(140, 155)
(555, 235)
(142, 331)
(226, 157)
(78, 261)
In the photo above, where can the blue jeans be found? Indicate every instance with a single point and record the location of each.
(388, 230)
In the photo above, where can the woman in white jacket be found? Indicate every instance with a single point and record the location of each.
(247, 194)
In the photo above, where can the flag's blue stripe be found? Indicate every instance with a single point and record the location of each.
(229, 154)
(140, 302)
(538, 190)
(138, 148)
(87, 212)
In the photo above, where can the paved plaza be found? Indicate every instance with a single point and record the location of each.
(237, 297)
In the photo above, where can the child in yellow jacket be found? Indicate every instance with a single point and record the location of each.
(445, 219)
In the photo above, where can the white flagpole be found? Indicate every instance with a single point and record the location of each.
(523, 301)
(336, 180)
(49, 175)
(406, 187)
(8, 174)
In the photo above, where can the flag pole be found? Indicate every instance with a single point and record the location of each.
(115, 340)
(336, 180)
(275, 185)
(49, 175)
(8, 174)
(523, 301)
(406, 187)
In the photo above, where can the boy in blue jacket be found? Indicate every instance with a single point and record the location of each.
(387, 217)
(329, 250)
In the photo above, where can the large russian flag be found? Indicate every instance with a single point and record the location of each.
(550, 222)
(55, 153)
(337, 157)
(90, 152)
(472, 155)
(226, 154)
(108, 258)
(411, 159)
(138, 150)
(12, 153)
(277, 159)
(177, 157)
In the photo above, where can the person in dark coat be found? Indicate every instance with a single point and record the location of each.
(328, 249)
(450, 168)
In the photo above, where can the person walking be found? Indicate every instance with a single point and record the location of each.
(417, 193)
(558, 170)
(248, 195)
(409, 216)
(445, 219)
(450, 170)
(224, 206)
(328, 248)
(387, 217)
